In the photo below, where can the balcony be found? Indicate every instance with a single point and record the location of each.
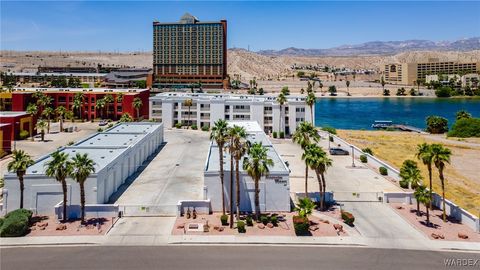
(241, 110)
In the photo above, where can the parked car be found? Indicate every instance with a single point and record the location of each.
(103, 123)
(338, 151)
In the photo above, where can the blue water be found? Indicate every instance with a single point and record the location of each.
(360, 113)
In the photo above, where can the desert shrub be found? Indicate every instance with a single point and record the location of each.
(249, 221)
(383, 170)
(178, 125)
(330, 130)
(274, 220)
(224, 220)
(444, 92)
(403, 183)
(274, 134)
(363, 158)
(205, 128)
(465, 127)
(264, 220)
(437, 124)
(194, 127)
(368, 151)
(301, 225)
(110, 125)
(70, 143)
(413, 92)
(401, 92)
(348, 218)
(241, 227)
(16, 223)
(99, 129)
(330, 138)
(23, 134)
(386, 92)
(282, 134)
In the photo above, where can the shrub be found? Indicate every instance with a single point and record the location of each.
(274, 134)
(178, 125)
(16, 223)
(241, 227)
(249, 221)
(274, 220)
(348, 218)
(264, 220)
(330, 130)
(403, 183)
(224, 220)
(70, 143)
(386, 92)
(23, 134)
(1, 222)
(401, 92)
(465, 127)
(444, 91)
(383, 170)
(205, 128)
(282, 134)
(437, 124)
(330, 138)
(194, 127)
(110, 125)
(99, 129)
(301, 225)
(363, 158)
(368, 151)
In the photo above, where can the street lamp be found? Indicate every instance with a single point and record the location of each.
(353, 157)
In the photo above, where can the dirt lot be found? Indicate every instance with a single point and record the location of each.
(462, 178)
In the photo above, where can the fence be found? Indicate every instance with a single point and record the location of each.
(148, 210)
(91, 210)
(200, 206)
(358, 196)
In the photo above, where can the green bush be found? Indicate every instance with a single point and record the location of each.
(274, 221)
(194, 127)
(348, 218)
(23, 134)
(403, 184)
(383, 170)
(363, 158)
(224, 220)
(301, 225)
(465, 127)
(282, 134)
(330, 130)
(444, 91)
(264, 220)
(367, 151)
(178, 125)
(330, 138)
(16, 223)
(274, 134)
(249, 221)
(1, 222)
(241, 227)
(110, 125)
(205, 128)
(99, 129)
(437, 124)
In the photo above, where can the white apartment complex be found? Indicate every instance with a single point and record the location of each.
(205, 109)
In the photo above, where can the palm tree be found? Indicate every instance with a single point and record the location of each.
(137, 104)
(440, 156)
(304, 135)
(42, 125)
(323, 163)
(257, 164)
(82, 167)
(240, 147)
(411, 174)
(100, 105)
(382, 82)
(78, 103)
(108, 102)
(424, 153)
(59, 167)
(60, 111)
(423, 195)
(304, 207)
(32, 111)
(320, 85)
(189, 104)
(70, 115)
(281, 99)
(462, 114)
(219, 135)
(348, 85)
(48, 112)
(19, 164)
(318, 161)
(119, 98)
(310, 101)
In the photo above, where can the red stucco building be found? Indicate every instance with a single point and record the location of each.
(15, 122)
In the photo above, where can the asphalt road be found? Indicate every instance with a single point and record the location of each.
(225, 257)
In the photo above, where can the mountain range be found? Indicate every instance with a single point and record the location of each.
(381, 48)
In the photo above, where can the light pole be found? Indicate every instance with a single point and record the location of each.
(353, 157)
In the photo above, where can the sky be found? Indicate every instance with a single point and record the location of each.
(127, 25)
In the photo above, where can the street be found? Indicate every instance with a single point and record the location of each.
(226, 257)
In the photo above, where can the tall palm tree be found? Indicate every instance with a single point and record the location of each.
(348, 85)
(323, 163)
(60, 112)
(411, 174)
(78, 100)
(281, 99)
(304, 135)
(82, 168)
(423, 195)
(32, 111)
(42, 125)
(441, 155)
(108, 103)
(257, 164)
(240, 147)
(219, 135)
(100, 105)
(137, 104)
(60, 167)
(47, 113)
(310, 101)
(424, 153)
(189, 104)
(19, 164)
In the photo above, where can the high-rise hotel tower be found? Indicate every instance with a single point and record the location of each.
(190, 52)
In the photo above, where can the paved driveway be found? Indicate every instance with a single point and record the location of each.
(175, 173)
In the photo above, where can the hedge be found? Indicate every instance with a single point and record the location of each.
(465, 127)
(348, 218)
(16, 223)
(274, 134)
